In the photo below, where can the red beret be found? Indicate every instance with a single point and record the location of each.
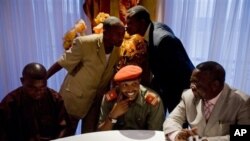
(128, 72)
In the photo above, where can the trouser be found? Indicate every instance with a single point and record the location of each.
(73, 122)
(89, 122)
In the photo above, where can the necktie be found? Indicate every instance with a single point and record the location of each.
(207, 109)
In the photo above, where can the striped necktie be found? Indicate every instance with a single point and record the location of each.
(208, 106)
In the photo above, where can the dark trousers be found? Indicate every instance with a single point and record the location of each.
(89, 122)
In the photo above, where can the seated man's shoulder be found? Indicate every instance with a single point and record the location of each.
(111, 95)
(187, 93)
(55, 94)
(150, 96)
(239, 95)
(13, 96)
(89, 38)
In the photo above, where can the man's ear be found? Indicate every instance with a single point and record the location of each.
(22, 80)
(216, 85)
(139, 79)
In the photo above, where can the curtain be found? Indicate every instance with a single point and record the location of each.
(216, 30)
(32, 31)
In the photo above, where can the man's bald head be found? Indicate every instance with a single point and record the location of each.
(112, 22)
(35, 71)
(113, 33)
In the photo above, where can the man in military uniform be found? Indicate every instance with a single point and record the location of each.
(130, 105)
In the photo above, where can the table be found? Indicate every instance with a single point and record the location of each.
(118, 135)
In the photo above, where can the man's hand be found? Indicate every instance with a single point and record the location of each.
(184, 134)
(120, 108)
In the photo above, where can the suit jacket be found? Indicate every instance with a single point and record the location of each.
(168, 61)
(88, 72)
(232, 107)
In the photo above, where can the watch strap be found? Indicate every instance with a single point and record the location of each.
(113, 120)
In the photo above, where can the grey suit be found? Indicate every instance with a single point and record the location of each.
(232, 107)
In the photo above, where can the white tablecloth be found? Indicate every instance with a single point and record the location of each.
(118, 135)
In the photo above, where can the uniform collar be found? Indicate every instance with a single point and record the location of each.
(140, 98)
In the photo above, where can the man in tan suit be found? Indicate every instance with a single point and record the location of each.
(90, 64)
(227, 106)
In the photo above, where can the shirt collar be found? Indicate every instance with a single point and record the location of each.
(214, 100)
(140, 98)
(146, 35)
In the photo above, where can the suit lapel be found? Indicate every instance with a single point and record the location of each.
(199, 120)
(112, 60)
(151, 40)
(109, 70)
(218, 107)
(113, 55)
(150, 49)
(199, 109)
(100, 50)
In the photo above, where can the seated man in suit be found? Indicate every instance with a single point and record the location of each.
(33, 112)
(130, 105)
(210, 106)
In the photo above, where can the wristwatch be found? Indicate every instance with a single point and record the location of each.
(113, 120)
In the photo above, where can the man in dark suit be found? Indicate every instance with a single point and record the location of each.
(168, 60)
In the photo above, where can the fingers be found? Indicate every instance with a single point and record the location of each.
(120, 107)
(192, 132)
(195, 130)
(181, 136)
(123, 103)
(184, 134)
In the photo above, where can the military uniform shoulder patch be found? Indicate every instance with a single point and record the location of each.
(111, 95)
(151, 98)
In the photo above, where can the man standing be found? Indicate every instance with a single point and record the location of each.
(90, 64)
(131, 105)
(168, 60)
